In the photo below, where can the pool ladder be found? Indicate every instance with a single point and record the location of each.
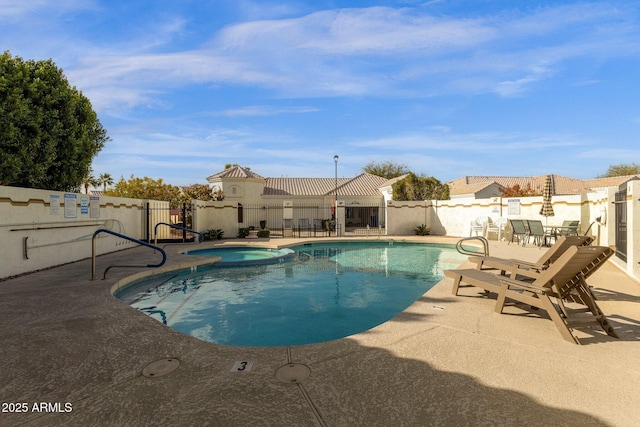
(131, 239)
(464, 251)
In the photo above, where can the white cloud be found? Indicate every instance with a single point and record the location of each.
(372, 51)
(484, 142)
(375, 30)
(264, 110)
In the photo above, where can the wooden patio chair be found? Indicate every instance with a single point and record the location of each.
(515, 267)
(551, 291)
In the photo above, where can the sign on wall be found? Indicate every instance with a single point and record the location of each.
(84, 205)
(514, 206)
(70, 206)
(54, 203)
(94, 207)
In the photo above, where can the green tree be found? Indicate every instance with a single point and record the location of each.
(90, 181)
(414, 187)
(49, 133)
(196, 192)
(387, 169)
(621, 169)
(105, 179)
(146, 188)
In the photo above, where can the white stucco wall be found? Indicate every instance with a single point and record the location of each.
(240, 190)
(221, 215)
(633, 227)
(453, 217)
(38, 229)
(403, 217)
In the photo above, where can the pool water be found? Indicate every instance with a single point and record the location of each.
(232, 255)
(325, 292)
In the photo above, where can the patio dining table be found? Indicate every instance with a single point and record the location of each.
(555, 230)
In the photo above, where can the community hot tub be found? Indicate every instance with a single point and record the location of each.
(242, 255)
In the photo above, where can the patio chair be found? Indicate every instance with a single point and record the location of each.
(536, 230)
(569, 228)
(518, 230)
(303, 225)
(497, 227)
(551, 290)
(478, 226)
(514, 267)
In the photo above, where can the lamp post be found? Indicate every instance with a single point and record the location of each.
(335, 195)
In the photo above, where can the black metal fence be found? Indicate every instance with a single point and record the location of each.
(312, 220)
(158, 213)
(621, 222)
(364, 220)
(293, 221)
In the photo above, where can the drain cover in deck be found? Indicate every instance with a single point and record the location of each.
(160, 367)
(293, 373)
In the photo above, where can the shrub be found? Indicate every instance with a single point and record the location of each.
(243, 232)
(422, 230)
(213, 234)
(264, 233)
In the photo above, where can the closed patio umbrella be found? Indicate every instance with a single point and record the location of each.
(547, 207)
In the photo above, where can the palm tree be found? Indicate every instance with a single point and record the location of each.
(90, 180)
(105, 179)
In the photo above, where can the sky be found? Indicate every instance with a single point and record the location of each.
(446, 88)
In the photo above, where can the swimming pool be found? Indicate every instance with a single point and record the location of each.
(245, 255)
(324, 292)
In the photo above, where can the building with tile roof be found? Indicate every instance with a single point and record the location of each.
(361, 197)
(242, 184)
(363, 186)
(483, 187)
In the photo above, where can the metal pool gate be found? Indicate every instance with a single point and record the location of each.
(621, 222)
(368, 219)
(161, 212)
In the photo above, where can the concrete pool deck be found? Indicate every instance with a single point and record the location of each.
(446, 360)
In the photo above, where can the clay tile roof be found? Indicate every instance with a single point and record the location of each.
(561, 184)
(299, 186)
(362, 185)
(610, 181)
(235, 172)
(394, 180)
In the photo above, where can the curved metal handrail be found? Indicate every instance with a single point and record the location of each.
(122, 236)
(461, 249)
(177, 227)
(591, 225)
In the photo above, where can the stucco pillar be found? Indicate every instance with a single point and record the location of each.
(633, 228)
(340, 217)
(287, 218)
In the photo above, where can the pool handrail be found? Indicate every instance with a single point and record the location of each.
(122, 236)
(155, 231)
(461, 249)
